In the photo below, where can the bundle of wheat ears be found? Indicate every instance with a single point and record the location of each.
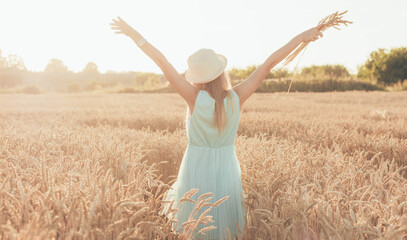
(332, 20)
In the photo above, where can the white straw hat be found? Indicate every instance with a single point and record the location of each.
(204, 66)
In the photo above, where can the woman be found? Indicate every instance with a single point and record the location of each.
(209, 162)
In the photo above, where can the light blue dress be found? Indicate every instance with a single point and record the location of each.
(210, 164)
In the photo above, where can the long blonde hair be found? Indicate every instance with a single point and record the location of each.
(218, 89)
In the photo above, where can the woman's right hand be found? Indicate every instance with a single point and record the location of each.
(310, 35)
(121, 27)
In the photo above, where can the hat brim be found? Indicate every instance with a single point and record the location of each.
(189, 76)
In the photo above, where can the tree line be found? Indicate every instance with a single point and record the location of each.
(383, 67)
(57, 77)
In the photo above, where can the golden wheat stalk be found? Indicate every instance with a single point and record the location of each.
(333, 20)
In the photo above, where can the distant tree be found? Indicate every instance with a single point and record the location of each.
(142, 77)
(90, 72)
(3, 61)
(57, 75)
(15, 62)
(11, 71)
(385, 66)
(335, 71)
(236, 73)
(91, 68)
(12, 62)
(55, 66)
(324, 71)
(312, 71)
(152, 82)
(280, 73)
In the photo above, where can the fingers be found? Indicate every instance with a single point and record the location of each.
(121, 20)
(114, 26)
(121, 27)
(118, 31)
(317, 35)
(117, 24)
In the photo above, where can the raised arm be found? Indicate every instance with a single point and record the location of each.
(182, 86)
(246, 88)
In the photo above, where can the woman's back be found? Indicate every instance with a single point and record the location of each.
(200, 128)
(210, 164)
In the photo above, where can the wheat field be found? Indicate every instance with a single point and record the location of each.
(96, 166)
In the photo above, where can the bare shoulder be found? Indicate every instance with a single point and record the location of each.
(191, 103)
(236, 90)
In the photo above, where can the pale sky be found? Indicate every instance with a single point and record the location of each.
(246, 32)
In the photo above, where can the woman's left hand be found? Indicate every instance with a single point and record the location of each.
(311, 34)
(121, 27)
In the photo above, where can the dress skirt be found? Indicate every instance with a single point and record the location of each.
(215, 170)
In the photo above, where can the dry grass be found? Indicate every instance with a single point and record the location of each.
(314, 166)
